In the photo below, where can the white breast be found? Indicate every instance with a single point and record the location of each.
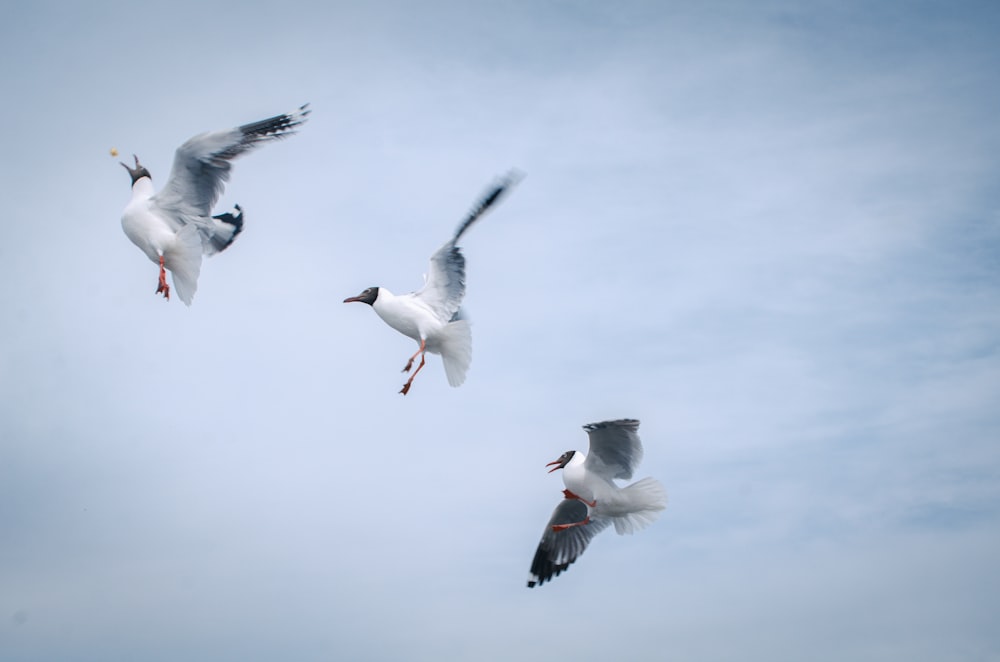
(147, 230)
(406, 315)
(576, 478)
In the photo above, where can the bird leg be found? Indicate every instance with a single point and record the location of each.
(406, 386)
(162, 285)
(409, 364)
(563, 527)
(570, 495)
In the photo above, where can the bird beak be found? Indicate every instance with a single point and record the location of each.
(130, 169)
(352, 299)
(558, 464)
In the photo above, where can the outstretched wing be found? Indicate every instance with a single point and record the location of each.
(445, 285)
(202, 164)
(615, 449)
(558, 549)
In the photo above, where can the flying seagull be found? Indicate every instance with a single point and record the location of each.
(593, 501)
(432, 315)
(175, 226)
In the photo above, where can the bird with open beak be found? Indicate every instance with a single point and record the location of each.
(592, 501)
(175, 227)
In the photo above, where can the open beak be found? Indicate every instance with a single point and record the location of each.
(130, 169)
(352, 299)
(558, 464)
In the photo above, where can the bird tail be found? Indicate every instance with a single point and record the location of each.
(222, 230)
(183, 259)
(646, 498)
(456, 350)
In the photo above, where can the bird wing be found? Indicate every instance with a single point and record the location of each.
(444, 286)
(202, 164)
(558, 549)
(615, 449)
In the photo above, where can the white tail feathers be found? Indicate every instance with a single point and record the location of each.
(455, 346)
(647, 498)
(183, 259)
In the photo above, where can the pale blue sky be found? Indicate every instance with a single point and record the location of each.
(770, 231)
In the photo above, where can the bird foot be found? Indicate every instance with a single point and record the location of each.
(162, 286)
(409, 364)
(563, 527)
(571, 495)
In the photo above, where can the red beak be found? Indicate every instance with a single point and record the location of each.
(558, 464)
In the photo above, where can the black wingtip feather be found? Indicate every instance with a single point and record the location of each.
(278, 126)
(544, 570)
(559, 545)
(235, 220)
(499, 189)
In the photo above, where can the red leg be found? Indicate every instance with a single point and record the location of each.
(409, 364)
(563, 527)
(406, 386)
(570, 495)
(162, 285)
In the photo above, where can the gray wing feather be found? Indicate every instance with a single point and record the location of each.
(615, 449)
(444, 288)
(558, 549)
(202, 164)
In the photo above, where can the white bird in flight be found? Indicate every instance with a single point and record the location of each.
(432, 315)
(175, 226)
(593, 501)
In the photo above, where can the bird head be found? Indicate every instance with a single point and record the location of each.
(138, 172)
(368, 296)
(562, 461)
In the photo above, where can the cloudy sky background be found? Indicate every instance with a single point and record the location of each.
(770, 231)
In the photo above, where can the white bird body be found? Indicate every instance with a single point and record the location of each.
(147, 230)
(175, 227)
(407, 314)
(151, 231)
(628, 508)
(579, 481)
(432, 315)
(592, 499)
